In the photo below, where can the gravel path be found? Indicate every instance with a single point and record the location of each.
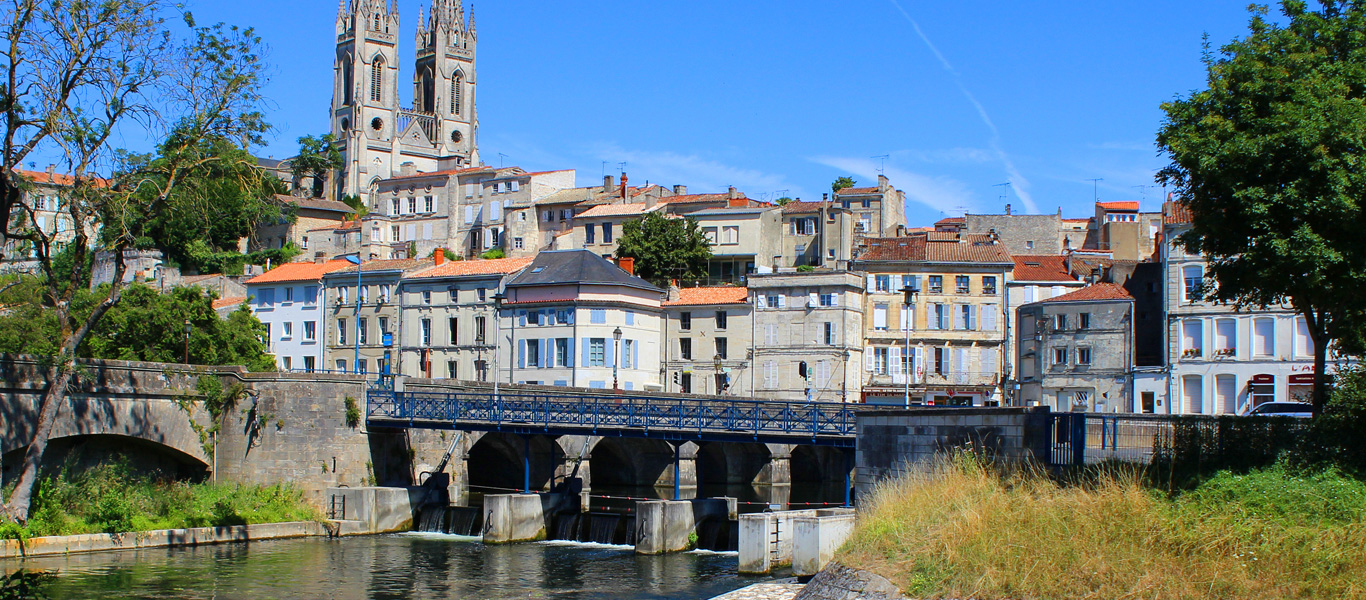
(763, 591)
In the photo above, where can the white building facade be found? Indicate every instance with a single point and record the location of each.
(288, 300)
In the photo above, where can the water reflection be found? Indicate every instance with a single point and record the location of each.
(394, 566)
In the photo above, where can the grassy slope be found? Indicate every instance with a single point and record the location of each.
(961, 531)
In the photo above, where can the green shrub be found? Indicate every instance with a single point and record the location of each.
(352, 413)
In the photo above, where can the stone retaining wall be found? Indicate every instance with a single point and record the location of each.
(175, 538)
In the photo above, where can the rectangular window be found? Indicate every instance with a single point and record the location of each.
(597, 352)
(517, 243)
(879, 317)
(626, 354)
(1195, 279)
(882, 283)
(989, 286)
(1083, 356)
(606, 233)
(685, 383)
(341, 332)
(720, 319)
(730, 234)
(1225, 337)
(383, 325)
(685, 321)
(1084, 321)
(289, 363)
(1264, 337)
(1059, 322)
(479, 330)
(533, 353)
(310, 331)
(426, 332)
(880, 360)
(310, 295)
(721, 347)
(1060, 357)
(774, 301)
(589, 234)
(562, 352)
(1304, 345)
(1192, 392)
(453, 330)
(936, 284)
(266, 298)
(533, 317)
(412, 206)
(310, 364)
(397, 232)
(452, 370)
(393, 207)
(1192, 338)
(685, 348)
(961, 284)
(289, 294)
(829, 334)
(426, 296)
(287, 331)
(362, 330)
(827, 299)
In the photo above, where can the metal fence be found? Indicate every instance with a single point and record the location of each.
(1091, 438)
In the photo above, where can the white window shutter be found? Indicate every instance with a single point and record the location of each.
(761, 300)
(961, 357)
(989, 317)
(868, 358)
(782, 301)
(919, 365)
(972, 317)
(989, 360)
(469, 215)
(895, 359)
(899, 282)
(813, 299)
(872, 283)
(835, 298)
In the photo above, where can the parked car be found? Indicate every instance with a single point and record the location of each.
(1301, 410)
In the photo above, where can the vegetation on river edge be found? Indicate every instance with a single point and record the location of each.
(112, 498)
(962, 530)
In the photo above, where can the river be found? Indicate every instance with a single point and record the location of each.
(412, 565)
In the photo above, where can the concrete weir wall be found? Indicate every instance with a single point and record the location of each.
(817, 538)
(514, 518)
(891, 440)
(665, 525)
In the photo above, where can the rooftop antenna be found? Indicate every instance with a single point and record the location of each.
(1005, 190)
(604, 168)
(622, 164)
(1142, 191)
(882, 170)
(501, 156)
(1095, 188)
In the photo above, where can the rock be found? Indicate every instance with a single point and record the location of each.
(838, 582)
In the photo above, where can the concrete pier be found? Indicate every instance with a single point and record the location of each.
(514, 518)
(666, 525)
(766, 540)
(817, 538)
(381, 509)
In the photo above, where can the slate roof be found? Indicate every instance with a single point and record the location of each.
(298, 271)
(398, 264)
(706, 296)
(1099, 292)
(560, 267)
(457, 268)
(1042, 267)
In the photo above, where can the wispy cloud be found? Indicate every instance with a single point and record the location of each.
(1125, 146)
(700, 174)
(945, 156)
(1017, 180)
(943, 194)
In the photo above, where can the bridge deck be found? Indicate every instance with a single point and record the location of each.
(616, 415)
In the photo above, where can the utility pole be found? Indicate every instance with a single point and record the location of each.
(1095, 188)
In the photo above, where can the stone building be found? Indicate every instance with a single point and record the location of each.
(877, 211)
(289, 302)
(1031, 234)
(44, 207)
(310, 214)
(1076, 350)
(955, 323)
(806, 341)
(816, 234)
(707, 335)
(1127, 234)
(571, 318)
(1035, 278)
(448, 317)
(1221, 360)
(363, 325)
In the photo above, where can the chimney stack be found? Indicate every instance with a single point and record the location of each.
(623, 186)
(407, 168)
(1007, 210)
(627, 264)
(440, 256)
(608, 184)
(680, 190)
(825, 197)
(50, 170)
(731, 193)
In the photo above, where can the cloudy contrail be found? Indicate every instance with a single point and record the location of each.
(1017, 181)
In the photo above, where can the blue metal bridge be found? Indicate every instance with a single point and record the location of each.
(664, 417)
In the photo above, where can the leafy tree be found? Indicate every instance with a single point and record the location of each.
(448, 255)
(317, 157)
(665, 248)
(784, 201)
(842, 183)
(357, 205)
(1269, 161)
(493, 253)
(78, 77)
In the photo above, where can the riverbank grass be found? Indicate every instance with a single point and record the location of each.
(961, 530)
(113, 498)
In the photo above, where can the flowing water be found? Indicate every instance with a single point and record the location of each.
(390, 566)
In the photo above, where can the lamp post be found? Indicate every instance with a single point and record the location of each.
(908, 299)
(497, 336)
(187, 341)
(355, 361)
(616, 356)
(720, 377)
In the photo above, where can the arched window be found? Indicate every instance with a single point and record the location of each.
(375, 27)
(455, 93)
(377, 79)
(428, 102)
(347, 84)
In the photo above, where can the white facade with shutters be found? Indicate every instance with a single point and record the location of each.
(955, 326)
(807, 340)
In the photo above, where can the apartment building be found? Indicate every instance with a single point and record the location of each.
(1222, 360)
(707, 335)
(362, 315)
(289, 302)
(310, 215)
(44, 207)
(816, 234)
(1035, 277)
(744, 240)
(806, 341)
(1076, 350)
(448, 314)
(572, 318)
(879, 210)
(945, 347)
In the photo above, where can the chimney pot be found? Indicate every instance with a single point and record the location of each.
(627, 264)
(825, 197)
(731, 192)
(440, 256)
(51, 168)
(623, 186)
(608, 184)
(1007, 210)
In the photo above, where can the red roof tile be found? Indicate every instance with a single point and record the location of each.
(853, 191)
(456, 268)
(702, 296)
(400, 264)
(223, 303)
(55, 178)
(613, 210)
(1174, 213)
(950, 221)
(1095, 293)
(686, 198)
(938, 247)
(805, 207)
(1042, 267)
(461, 171)
(1118, 205)
(299, 271)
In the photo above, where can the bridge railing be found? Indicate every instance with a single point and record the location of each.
(588, 412)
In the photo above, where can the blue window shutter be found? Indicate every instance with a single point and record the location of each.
(586, 346)
(635, 355)
(561, 383)
(627, 385)
(521, 318)
(549, 351)
(630, 318)
(597, 385)
(521, 354)
(611, 352)
(569, 356)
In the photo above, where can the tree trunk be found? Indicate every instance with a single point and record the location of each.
(1320, 378)
(52, 402)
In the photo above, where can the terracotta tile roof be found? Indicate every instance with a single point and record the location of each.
(456, 268)
(1094, 293)
(298, 271)
(223, 303)
(687, 198)
(1042, 267)
(1086, 220)
(938, 247)
(702, 296)
(43, 177)
(1174, 213)
(857, 191)
(446, 172)
(397, 264)
(1118, 205)
(951, 221)
(193, 279)
(314, 203)
(543, 172)
(971, 252)
(613, 210)
(805, 207)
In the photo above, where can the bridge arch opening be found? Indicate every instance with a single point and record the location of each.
(818, 475)
(733, 463)
(626, 463)
(80, 452)
(495, 462)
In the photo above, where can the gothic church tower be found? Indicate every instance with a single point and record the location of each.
(378, 137)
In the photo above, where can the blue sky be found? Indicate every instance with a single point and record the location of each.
(781, 97)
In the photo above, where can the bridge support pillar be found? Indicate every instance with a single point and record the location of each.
(681, 475)
(778, 471)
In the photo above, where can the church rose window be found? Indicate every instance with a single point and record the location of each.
(456, 137)
(377, 123)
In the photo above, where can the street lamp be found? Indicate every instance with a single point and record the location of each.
(187, 341)
(355, 362)
(498, 299)
(908, 291)
(720, 377)
(616, 358)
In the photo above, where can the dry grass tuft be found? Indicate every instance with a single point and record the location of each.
(961, 530)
